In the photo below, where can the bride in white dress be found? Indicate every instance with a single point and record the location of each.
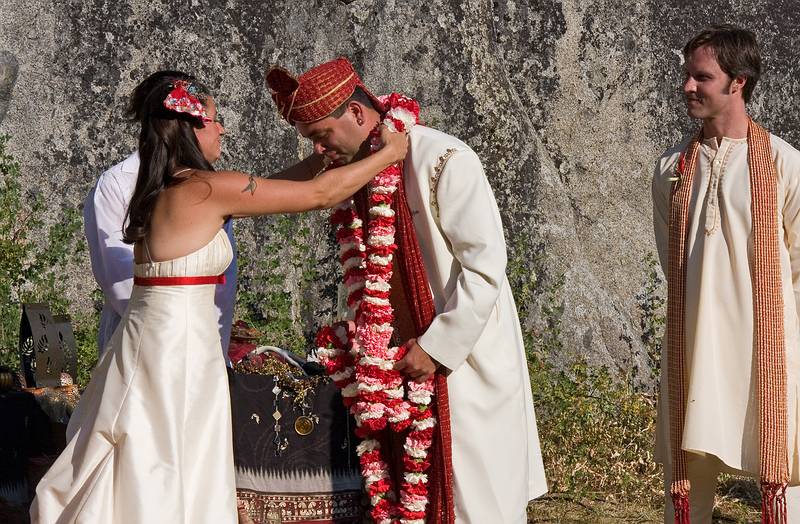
(150, 441)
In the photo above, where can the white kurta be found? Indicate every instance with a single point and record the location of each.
(476, 334)
(722, 410)
(112, 259)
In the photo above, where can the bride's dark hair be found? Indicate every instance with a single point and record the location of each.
(166, 141)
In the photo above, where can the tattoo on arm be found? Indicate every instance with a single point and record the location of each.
(251, 186)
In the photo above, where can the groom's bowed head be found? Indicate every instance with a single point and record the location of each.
(316, 100)
(316, 93)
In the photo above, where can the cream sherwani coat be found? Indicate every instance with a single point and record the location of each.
(722, 404)
(476, 334)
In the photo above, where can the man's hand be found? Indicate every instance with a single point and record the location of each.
(416, 364)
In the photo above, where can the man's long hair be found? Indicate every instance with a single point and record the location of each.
(166, 142)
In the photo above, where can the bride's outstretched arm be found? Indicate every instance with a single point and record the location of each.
(239, 194)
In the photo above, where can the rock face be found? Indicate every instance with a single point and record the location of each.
(8, 77)
(568, 104)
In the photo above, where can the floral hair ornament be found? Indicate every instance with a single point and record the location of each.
(183, 99)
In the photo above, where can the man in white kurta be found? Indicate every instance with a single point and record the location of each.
(475, 335)
(722, 407)
(112, 259)
(721, 429)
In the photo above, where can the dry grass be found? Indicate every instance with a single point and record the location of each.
(609, 474)
(565, 509)
(737, 501)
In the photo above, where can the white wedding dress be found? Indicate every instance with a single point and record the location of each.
(151, 441)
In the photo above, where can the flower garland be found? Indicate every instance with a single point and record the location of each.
(356, 353)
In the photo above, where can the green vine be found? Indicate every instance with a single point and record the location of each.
(30, 270)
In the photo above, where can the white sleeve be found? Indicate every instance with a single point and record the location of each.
(470, 221)
(789, 176)
(661, 190)
(112, 259)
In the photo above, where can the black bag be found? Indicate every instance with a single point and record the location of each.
(294, 463)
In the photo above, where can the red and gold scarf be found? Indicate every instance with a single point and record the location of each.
(769, 344)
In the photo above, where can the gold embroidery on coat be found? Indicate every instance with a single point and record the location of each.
(434, 185)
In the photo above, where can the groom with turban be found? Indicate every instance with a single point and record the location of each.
(453, 307)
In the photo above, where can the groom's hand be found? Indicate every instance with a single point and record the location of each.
(416, 364)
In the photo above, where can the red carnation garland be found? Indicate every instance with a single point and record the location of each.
(357, 353)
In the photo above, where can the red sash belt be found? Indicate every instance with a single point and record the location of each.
(178, 281)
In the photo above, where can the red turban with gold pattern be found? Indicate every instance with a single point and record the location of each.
(316, 93)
